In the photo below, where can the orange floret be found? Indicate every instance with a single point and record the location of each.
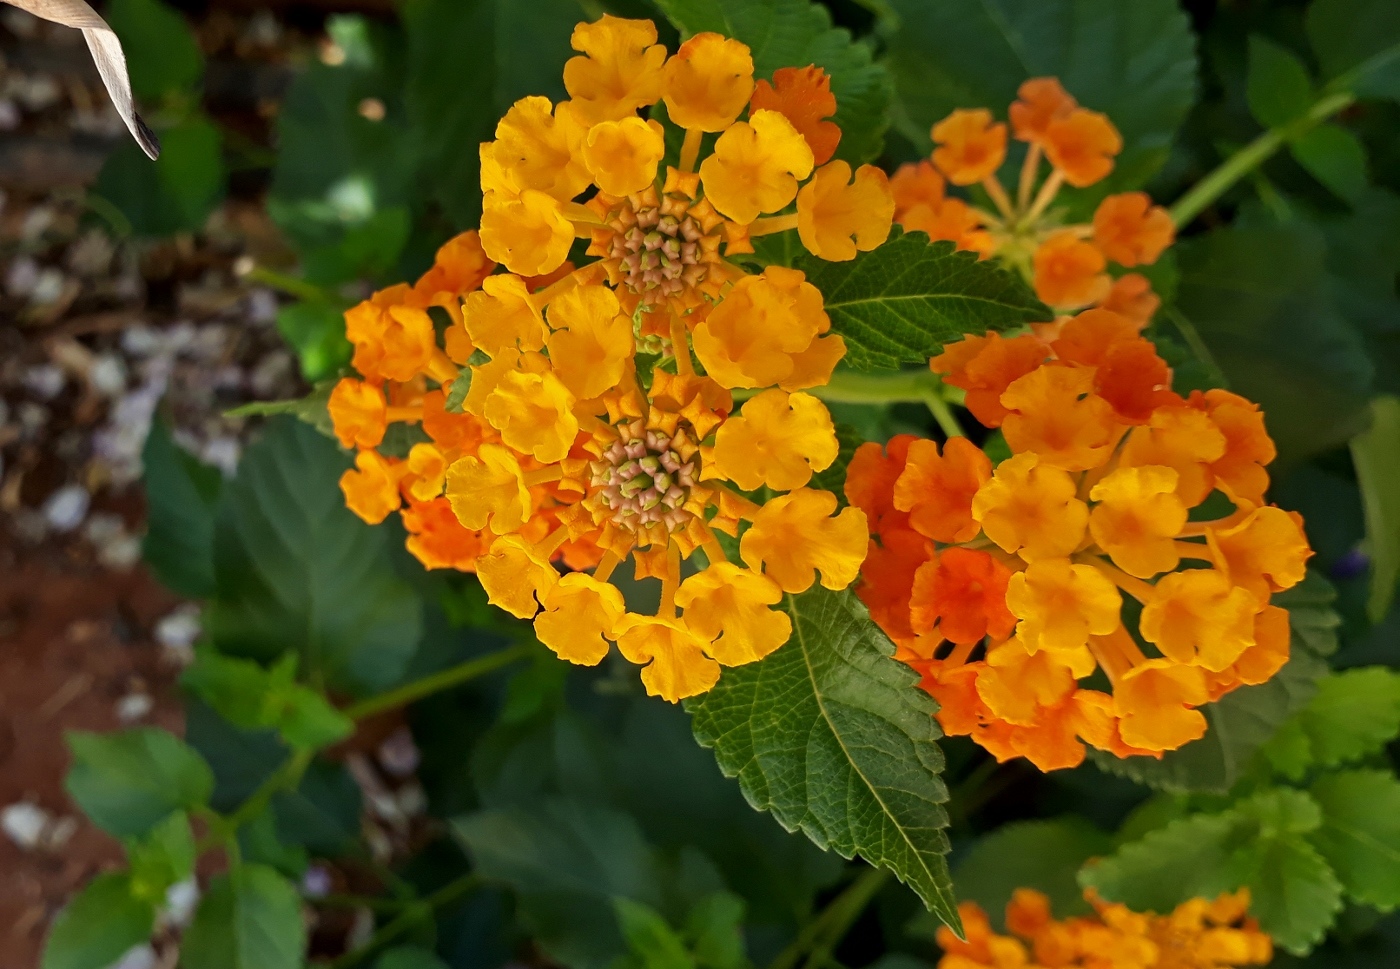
(803, 95)
(937, 490)
(971, 146)
(1132, 231)
(1041, 100)
(963, 592)
(985, 366)
(1131, 296)
(1082, 146)
(870, 481)
(1069, 272)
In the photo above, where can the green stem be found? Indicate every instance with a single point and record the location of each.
(224, 830)
(290, 285)
(1252, 155)
(437, 682)
(900, 387)
(443, 896)
(1197, 345)
(943, 414)
(821, 935)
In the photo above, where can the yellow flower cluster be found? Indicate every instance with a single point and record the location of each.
(565, 447)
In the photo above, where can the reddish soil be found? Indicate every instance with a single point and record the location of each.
(74, 639)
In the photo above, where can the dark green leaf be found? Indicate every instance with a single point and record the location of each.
(181, 494)
(902, 302)
(241, 759)
(655, 943)
(795, 33)
(1358, 39)
(409, 957)
(128, 782)
(1279, 88)
(1259, 299)
(99, 925)
(323, 813)
(1242, 721)
(254, 698)
(1135, 61)
(1360, 833)
(316, 330)
(162, 56)
(568, 862)
(296, 570)
(1376, 455)
(833, 479)
(1335, 157)
(260, 844)
(249, 919)
(832, 736)
(176, 192)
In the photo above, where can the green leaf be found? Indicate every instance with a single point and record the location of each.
(1376, 455)
(902, 302)
(249, 919)
(1278, 88)
(323, 813)
(1335, 157)
(457, 393)
(128, 782)
(1358, 40)
(1294, 894)
(568, 861)
(1183, 860)
(654, 942)
(1242, 721)
(260, 843)
(1354, 715)
(1360, 833)
(409, 957)
(714, 928)
(795, 33)
(254, 698)
(313, 409)
(1260, 300)
(296, 570)
(162, 56)
(1043, 855)
(181, 494)
(162, 858)
(831, 735)
(174, 193)
(99, 925)
(1135, 61)
(316, 331)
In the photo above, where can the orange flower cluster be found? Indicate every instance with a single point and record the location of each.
(1067, 264)
(1005, 586)
(564, 417)
(1199, 934)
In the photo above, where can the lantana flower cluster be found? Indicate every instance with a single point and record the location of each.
(584, 415)
(1087, 555)
(1198, 934)
(1024, 228)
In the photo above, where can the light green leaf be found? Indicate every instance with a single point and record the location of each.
(1335, 157)
(1278, 87)
(654, 942)
(162, 858)
(249, 919)
(315, 329)
(181, 494)
(1135, 61)
(176, 192)
(795, 33)
(128, 782)
(296, 570)
(902, 302)
(1360, 833)
(249, 696)
(1358, 40)
(162, 54)
(568, 861)
(1241, 722)
(1185, 859)
(1354, 714)
(99, 925)
(831, 735)
(1294, 894)
(1044, 855)
(1376, 455)
(714, 928)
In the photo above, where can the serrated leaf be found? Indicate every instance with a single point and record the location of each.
(655, 943)
(795, 33)
(1183, 860)
(1376, 455)
(249, 919)
(1134, 61)
(296, 570)
(128, 782)
(99, 925)
(1278, 86)
(831, 735)
(181, 495)
(1293, 892)
(1358, 40)
(1335, 157)
(902, 302)
(1354, 714)
(1243, 721)
(568, 862)
(1360, 833)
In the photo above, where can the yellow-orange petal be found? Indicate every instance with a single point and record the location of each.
(755, 167)
(838, 216)
(580, 614)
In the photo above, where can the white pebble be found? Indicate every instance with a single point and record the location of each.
(48, 287)
(44, 380)
(139, 957)
(108, 375)
(223, 453)
(180, 902)
(9, 115)
(134, 707)
(25, 823)
(262, 306)
(67, 507)
(177, 632)
(21, 276)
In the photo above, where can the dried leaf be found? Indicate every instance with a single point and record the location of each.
(106, 54)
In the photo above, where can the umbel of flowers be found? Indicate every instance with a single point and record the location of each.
(1198, 934)
(1066, 263)
(597, 422)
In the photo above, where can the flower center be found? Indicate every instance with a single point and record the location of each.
(643, 480)
(658, 249)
